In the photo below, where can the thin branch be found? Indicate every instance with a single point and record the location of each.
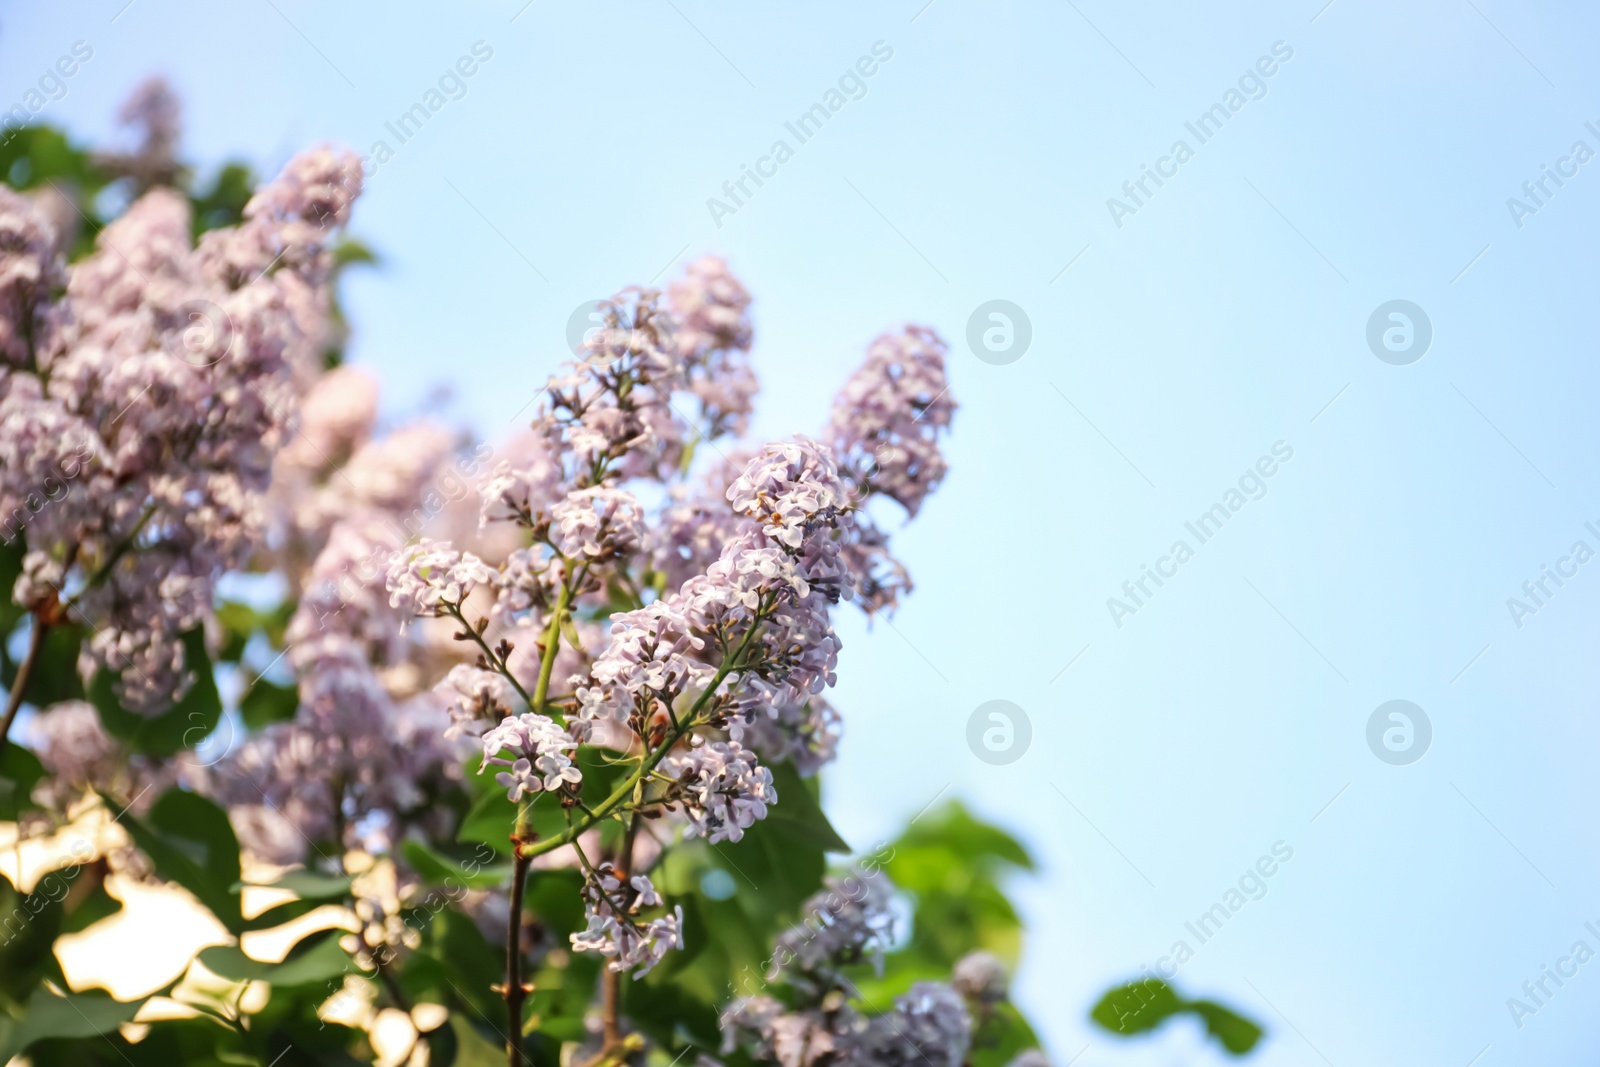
(19, 685)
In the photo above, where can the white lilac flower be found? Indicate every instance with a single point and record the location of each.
(888, 417)
(786, 487)
(723, 788)
(474, 698)
(848, 920)
(541, 758)
(428, 576)
(597, 523)
(651, 649)
(805, 732)
(29, 269)
(929, 1025)
(164, 378)
(711, 312)
(618, 934)
(350, 747)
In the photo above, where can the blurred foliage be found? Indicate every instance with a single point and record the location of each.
(1140, 1007)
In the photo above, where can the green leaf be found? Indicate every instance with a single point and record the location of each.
(1236, 1033)
(438, 869)
(183, 725)
(30, 924)
(189, 840)
(76, 1015)
(311, 885)
(1139, 1007)
(10, 567)
(267, 702)
(323, 961)
(1136, 1007)
(472, 1048)
(20, 771)
(797, 813)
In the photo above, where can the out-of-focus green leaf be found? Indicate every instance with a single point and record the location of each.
(265, 703)
(1140, 1007)
(312, 962)
(189, 840)
(20, 771)
(454, 873)
(222, 202)
(311, 885)
(10, 567)
(1136, 1007)
(797, 814)
(472, 1049)
(29, 925)
(1236, 1033)
(183, 725)
(75, 1015)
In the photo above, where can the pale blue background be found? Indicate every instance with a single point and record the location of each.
(1207, 328)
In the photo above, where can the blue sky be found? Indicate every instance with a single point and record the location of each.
(1228, 313)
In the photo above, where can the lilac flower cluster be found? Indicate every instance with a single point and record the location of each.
(931, 1023)
(610, 907)
(723, 789)
(540, 755)
(166, 375)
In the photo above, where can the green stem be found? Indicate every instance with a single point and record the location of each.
(552, 646)
(648, 764)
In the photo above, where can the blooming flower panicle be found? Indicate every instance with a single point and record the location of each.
(541, 755)
(723, 788)
(610, 905)
(427, 578)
